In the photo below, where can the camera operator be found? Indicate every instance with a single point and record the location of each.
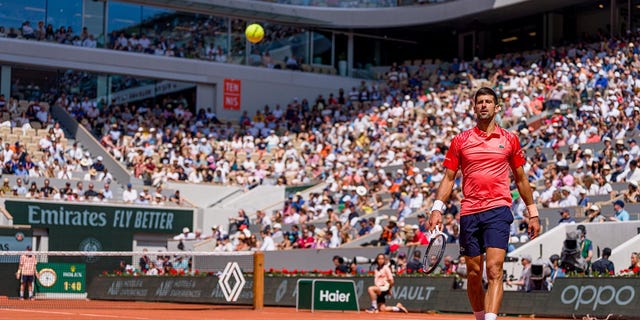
(524, 282)
(556, 271)
(341, 267)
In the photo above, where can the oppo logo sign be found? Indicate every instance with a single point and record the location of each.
(595, 296)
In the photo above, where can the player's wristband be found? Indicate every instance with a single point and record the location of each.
(533, 210)
(438, 205)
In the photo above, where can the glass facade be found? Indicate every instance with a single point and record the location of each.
(355, 3)
(144, 29)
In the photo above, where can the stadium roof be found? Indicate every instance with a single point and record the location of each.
(487, 10)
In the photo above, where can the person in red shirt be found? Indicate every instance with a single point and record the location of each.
(486, 155)
(419, 238)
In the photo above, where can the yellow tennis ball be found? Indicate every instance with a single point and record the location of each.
(254, 33)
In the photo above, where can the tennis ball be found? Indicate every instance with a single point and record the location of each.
(254, 33)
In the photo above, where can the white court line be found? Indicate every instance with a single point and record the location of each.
(76, 314)
(109, 316)
(36, 311)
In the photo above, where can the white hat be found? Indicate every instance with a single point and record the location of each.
(277, 226)
(588, 152)
(99, 158)
(415, 227)
(393, 219)
(361, 190)
(346, 198)
(575, 147)
(185, 230)
(594, 207)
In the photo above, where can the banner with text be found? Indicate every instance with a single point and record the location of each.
(570, 296)
(103, 217)
(232, 94)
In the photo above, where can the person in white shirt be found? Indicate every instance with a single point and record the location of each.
(130, 195)
(267, 241)
(107, 193)
(185, 235)
(569, 200)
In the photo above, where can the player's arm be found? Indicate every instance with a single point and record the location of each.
(527, 196)
(442, 195)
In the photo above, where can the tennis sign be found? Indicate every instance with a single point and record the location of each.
(327, 294)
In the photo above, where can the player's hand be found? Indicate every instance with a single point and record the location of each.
(534, 227)
(435, 219)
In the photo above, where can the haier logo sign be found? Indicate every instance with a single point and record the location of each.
(596, 296)
(336, 296)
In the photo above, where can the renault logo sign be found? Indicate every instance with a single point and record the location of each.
(231, 294)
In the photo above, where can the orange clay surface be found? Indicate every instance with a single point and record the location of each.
(96, 310)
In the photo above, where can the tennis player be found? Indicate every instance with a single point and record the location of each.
(486, 156)
(381, 288)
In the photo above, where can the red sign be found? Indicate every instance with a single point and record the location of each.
(232, 90)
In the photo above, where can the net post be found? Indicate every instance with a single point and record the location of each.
(258, 280)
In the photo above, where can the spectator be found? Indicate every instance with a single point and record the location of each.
(565, 216)
(415, 264)
(620, 214)
(130, 195)
(635, 263)
(267, 241)
(418, 238)
(603, 265)
(594, 214)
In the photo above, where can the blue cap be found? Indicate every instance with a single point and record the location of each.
(619, 202)
(128, 185)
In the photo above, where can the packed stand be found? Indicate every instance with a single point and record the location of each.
(349, 138)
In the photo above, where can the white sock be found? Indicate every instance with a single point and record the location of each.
(374, 304)
(490, 316)
(479, 315)
(396, 309)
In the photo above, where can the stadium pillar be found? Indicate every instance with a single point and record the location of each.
(350, 55)
(205, 97)
(5, 82)
(103, 88)
(258, 281)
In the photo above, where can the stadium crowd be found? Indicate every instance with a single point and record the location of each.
(348, 138)
(587, 89)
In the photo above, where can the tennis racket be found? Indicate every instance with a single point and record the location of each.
(435, 251)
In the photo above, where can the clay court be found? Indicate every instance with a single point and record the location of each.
(95, 310)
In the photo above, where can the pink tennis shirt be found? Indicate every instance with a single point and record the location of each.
(485, 161)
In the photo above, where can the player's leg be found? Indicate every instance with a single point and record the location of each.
(496, 225)
(475, 290)
(495, 259)
(471, 247)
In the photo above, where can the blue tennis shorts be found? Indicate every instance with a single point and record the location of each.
(485, 229)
